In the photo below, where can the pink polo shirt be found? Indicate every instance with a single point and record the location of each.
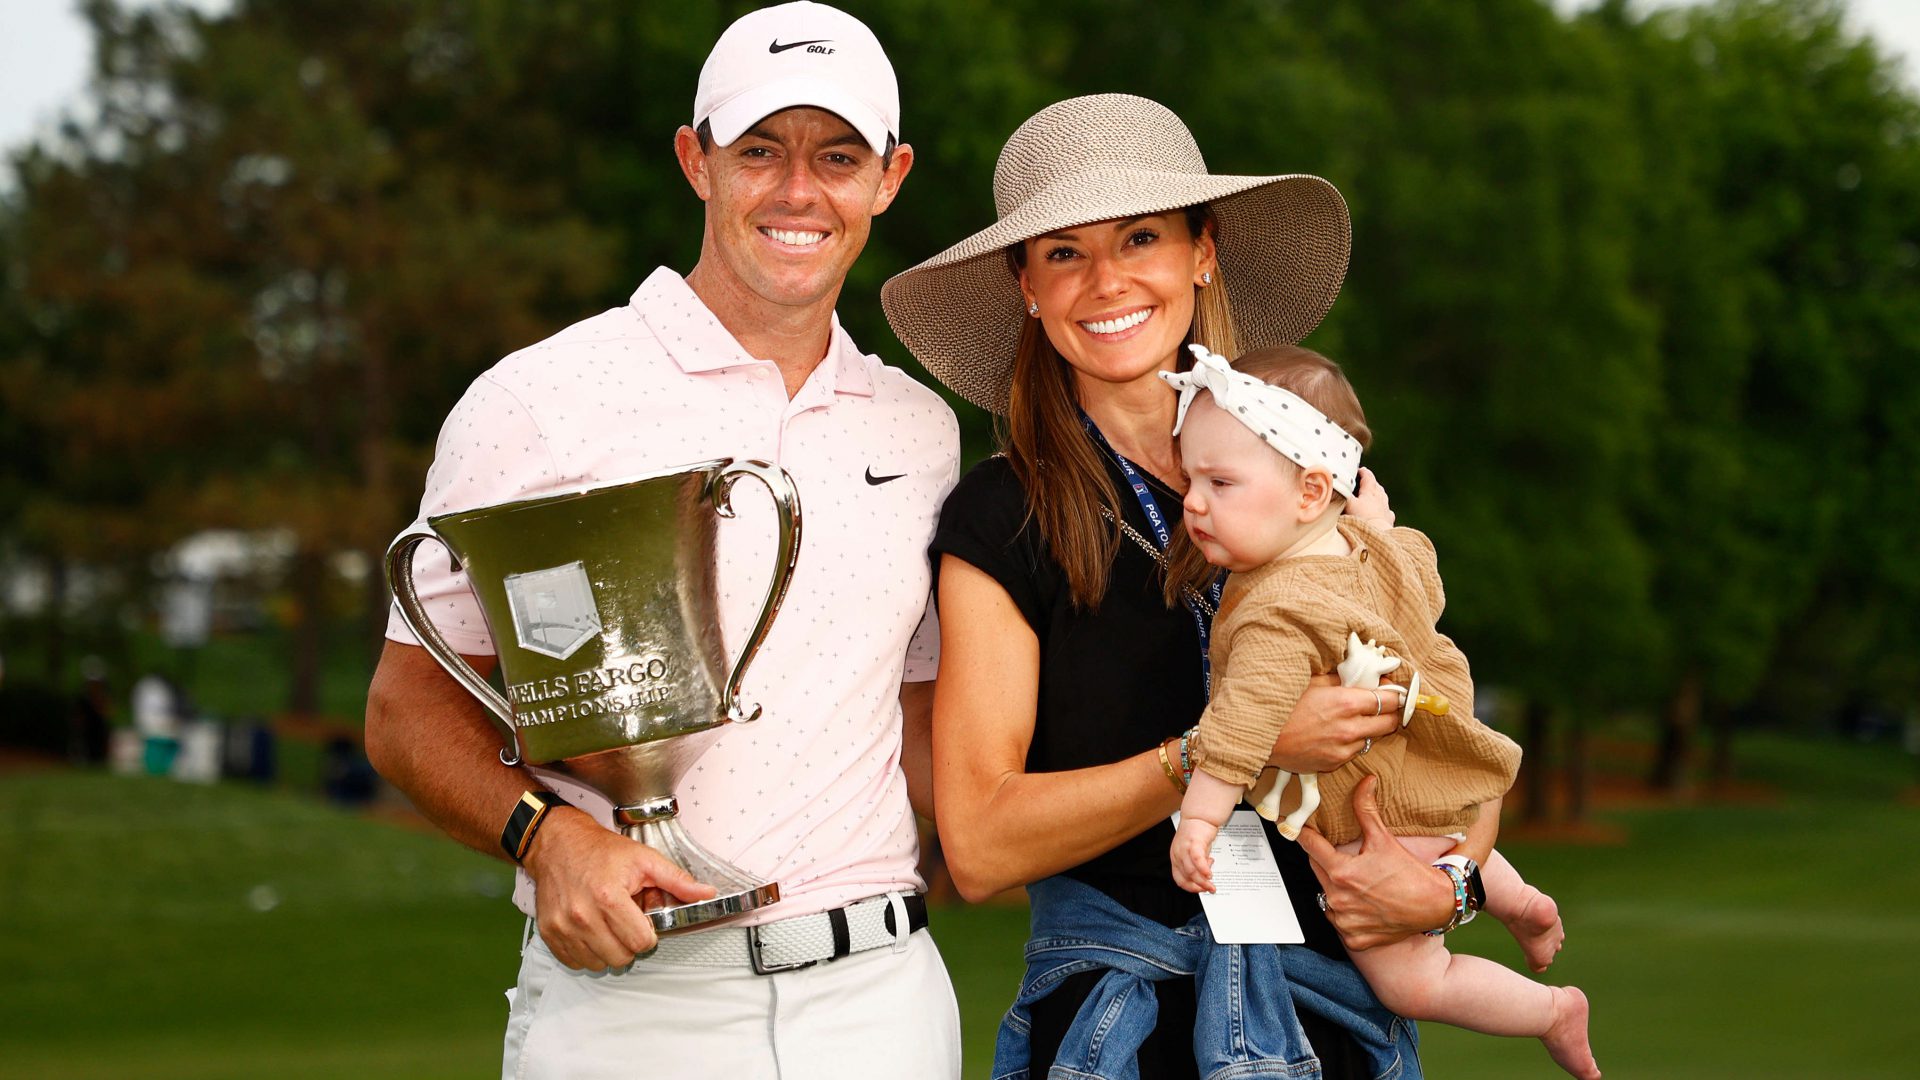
(811, 795)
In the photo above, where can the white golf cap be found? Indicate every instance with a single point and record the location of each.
(798, 54)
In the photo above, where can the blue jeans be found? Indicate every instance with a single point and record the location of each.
(1246, 1022)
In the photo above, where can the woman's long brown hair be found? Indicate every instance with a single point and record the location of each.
(1066, 481)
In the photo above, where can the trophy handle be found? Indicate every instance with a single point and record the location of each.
(786, 502)
(407, 599)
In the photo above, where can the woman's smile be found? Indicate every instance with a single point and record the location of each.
(1117, 327)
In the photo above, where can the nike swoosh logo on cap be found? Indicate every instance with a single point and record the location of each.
(876, 481)
(776, 47)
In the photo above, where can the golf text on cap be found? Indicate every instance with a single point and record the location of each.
(776, 47)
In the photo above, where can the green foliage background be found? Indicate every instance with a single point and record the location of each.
(1632, 298)
(1633, 308)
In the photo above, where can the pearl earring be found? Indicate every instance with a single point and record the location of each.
(1206, 278)
(1033, 310)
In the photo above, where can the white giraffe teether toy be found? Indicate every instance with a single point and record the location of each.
(1365, 662)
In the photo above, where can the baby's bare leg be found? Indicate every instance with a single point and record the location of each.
(1530, 915)
(1419, 978)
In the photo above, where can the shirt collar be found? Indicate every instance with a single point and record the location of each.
(852, 373)
(693, 336)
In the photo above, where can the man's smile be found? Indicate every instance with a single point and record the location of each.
(799, 238)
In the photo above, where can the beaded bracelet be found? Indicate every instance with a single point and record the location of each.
(1459, 881)
(1187, 739)
(1476, 891)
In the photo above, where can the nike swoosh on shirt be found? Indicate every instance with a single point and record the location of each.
(876, 481)
(776, 47)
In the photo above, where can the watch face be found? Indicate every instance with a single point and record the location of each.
(1476, 888)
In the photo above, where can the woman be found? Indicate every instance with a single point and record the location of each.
(1065, 680)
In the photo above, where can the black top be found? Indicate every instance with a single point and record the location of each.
(1114, 681)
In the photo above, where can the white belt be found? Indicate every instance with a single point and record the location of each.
(802, 941)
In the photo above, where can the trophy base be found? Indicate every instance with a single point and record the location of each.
(738, 893)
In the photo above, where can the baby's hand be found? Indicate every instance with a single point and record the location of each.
(1369, 502)
(1193, 854)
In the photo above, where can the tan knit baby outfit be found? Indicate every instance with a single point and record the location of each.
(1282, 623)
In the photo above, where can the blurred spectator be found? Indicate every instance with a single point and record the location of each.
(198, 759)
(156, 716)
(346, 775)
(249, 751)
(92, 715)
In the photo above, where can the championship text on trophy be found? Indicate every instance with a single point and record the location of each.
(602, 605)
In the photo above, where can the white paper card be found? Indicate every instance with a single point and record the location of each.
(1250, 905)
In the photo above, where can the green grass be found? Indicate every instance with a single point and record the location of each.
(1774, 940)
(1728, 942)
(136, 944)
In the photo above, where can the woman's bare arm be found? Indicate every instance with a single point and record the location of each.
(1001, 826)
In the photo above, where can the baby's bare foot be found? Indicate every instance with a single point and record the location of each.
(1538, 929)
(1567, 1040)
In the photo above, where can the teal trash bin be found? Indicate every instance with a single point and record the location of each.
(160, 752)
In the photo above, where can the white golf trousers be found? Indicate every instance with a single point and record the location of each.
(884, 1013)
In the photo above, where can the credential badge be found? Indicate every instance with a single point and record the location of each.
(553, 611)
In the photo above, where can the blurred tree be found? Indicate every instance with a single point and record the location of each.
(1630, 304)
(1773, 264)
(1844, 331)
(254, 277)
(1491, 328)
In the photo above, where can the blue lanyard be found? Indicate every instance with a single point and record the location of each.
(1149, 505)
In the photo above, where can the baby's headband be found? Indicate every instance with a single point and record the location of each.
(1280, 417)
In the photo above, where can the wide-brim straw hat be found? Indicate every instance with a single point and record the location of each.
(1283, 241)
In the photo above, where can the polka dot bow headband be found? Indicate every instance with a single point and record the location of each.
(1281, 418)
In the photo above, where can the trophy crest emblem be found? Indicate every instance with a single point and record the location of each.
(553, 612)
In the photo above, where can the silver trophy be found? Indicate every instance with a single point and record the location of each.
(603, 611)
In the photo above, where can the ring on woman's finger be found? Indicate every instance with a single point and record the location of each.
(1321, 899)
(1377, 709)
(1366, 746)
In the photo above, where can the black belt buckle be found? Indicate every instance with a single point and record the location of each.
(760, 967)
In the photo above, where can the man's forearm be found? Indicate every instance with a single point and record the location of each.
(432, 740)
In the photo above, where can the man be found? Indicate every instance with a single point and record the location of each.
(793, 149)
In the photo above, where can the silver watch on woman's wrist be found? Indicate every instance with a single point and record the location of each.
(1476, 887)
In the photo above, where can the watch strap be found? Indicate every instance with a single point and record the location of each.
(525, 821)
(1476, 889)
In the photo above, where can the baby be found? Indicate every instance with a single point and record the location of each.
(1272, 454)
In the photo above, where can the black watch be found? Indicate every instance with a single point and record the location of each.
(525, 820)
(1476, 888)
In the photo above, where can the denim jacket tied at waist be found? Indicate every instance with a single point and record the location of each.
(1246, 1024)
